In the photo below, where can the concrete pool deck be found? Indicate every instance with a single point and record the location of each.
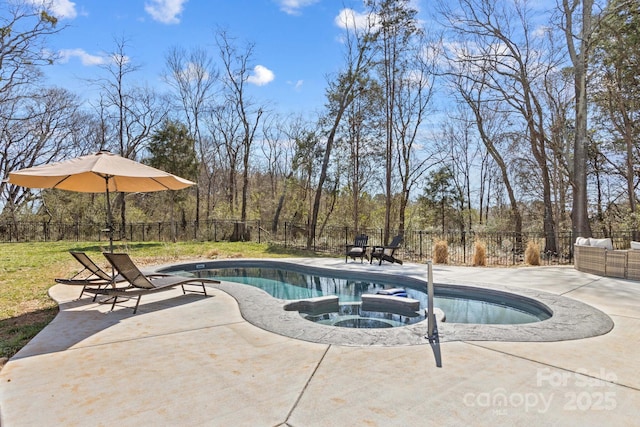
(189, 360)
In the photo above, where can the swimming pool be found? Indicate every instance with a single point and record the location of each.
(571, 319)
(459, 304)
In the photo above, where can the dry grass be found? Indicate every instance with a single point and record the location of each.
(441, 252)
(480, 255)
(532, 253)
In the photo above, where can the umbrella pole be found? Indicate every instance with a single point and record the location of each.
(114, 299)
(109, 217)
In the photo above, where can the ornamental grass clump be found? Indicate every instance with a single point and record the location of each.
(532, 253)
(480, 255)
(440, 252)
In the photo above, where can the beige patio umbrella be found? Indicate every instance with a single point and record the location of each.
(102, 172)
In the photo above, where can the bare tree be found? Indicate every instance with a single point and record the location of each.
(341, 93)
(25, 28)
(395, 29)
(559, 101)
(132, 111)
(509, 61)
(193, 77)
(462, 148)
(362, 131)
(490, 123)
(278, 152)
(577, 25)
(414, 93)
(225, 129)
(35, 131)
(25, 106)
(236, 71)
(306, 165)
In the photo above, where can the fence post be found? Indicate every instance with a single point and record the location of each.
(571, 246)
(464, 247)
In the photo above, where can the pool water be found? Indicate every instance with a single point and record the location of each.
(460, 304)
(353, 316)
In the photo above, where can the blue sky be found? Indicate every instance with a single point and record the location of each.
(296, 41)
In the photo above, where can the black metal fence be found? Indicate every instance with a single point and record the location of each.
(502, 248)
(218, 230)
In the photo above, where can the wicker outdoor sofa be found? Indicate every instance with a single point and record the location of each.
(597, 256)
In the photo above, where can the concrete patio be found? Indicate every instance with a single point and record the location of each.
(189, 360)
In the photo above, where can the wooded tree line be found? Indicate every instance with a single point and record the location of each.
(488, 115)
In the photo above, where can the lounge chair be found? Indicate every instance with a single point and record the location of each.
(358, 249)
(386, 253)
(97, 276)
(141, 284)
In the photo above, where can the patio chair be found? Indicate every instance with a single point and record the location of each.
(97, 276)
(386, 253)
(141, 284)
(358, 249)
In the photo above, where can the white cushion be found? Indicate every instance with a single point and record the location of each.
(582, 241)
(635, 245)
(602, 243)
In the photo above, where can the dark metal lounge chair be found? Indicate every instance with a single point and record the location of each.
(358, 249)
(98, 277)
(141, 284)
(386, 253)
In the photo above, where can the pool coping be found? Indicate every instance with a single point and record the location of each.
(571, 319)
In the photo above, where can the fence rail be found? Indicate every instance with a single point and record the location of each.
(502, 248)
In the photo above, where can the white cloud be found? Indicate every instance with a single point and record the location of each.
(85, 58)
(261, 76)
(297, 85)
(349, 18)
(62, 9)
(165, 11)
(292, 7)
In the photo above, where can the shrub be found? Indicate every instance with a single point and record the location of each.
(532, 253)
(440, 252)
(480, 255)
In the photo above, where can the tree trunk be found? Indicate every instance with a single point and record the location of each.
(321, 180)
(579, 216)
(276, 216)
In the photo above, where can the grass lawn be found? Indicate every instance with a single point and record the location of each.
(28, 270)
